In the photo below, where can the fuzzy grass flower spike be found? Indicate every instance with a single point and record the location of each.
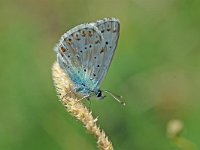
(84, 55)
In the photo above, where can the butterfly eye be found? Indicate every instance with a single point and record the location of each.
(108, 26)
(76, 36)
(83, 32)
(90, 32)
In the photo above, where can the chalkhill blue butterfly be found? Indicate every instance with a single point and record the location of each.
(85, 53)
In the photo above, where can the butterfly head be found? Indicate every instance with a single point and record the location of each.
(99, 94)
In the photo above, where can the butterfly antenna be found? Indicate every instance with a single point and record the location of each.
(116, 97)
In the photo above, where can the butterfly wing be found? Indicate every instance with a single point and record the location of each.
(109, 28)
(78, 54)
(85, 52)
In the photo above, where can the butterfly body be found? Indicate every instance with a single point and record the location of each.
(85, 53)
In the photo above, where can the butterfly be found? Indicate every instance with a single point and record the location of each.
(85, 53)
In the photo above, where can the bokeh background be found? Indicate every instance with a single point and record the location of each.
(156, 68)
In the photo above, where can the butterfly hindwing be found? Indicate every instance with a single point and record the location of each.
(109, 28)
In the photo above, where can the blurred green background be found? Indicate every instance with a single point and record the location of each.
(156, 68)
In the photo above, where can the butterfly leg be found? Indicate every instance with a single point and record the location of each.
(84, 97)
(72, 91)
